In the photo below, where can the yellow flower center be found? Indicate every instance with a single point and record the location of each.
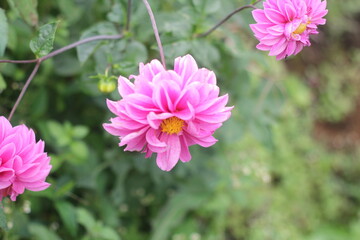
(301, 28)
(172, 125)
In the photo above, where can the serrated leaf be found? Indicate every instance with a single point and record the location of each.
(26, 9)
(43, 43)
(67, 213)
(84, 51)
(3, 32)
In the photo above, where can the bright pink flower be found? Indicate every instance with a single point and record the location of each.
(166, 111)
(23, 163)
(283, 27)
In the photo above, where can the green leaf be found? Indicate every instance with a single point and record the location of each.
(80, 152)
(2, 83)
(68, 216)
(2, 219)
(3, 32)
(85, 218)
(26, 9)
(40, 232)
(80, 132)
(43, 43)
(84, 51)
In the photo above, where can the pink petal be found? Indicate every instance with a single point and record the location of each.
(185, 155)
(274, 16)
(125, 87)
(154, 144)
(185, 67)
(168, 159)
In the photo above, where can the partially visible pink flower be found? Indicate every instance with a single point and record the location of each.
(23, 163)
(166, 111)
(283, 27)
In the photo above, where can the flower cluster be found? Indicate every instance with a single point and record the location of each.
(166, 111)
(283, 27)
(23, 162)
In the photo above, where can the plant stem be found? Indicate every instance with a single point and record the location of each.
(156, 32)
(128, 17)
(50, 55)
(64, 49)
(28, 81)
(227, 18)
(80, 42)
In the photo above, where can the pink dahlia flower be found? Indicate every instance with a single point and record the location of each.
(23, 163)
(166, 111)
(283, 27)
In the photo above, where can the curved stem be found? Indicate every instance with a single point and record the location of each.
(28, 81)
(128, 17)
(19, 61)
(227, 18)
(50, 55)
(64, 49)
(156, 32)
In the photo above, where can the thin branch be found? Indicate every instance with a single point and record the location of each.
(128, 16)
(83, 41)
(28, 81)
(50, 55)
(19, 61)
(227, 18)
(156, 32)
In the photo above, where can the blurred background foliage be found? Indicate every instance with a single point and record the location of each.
(287, 163)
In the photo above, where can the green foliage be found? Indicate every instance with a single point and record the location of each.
(266, 178)
(3, 225)
(3, 32)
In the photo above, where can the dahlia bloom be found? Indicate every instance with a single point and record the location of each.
(23, 163)
(283, 27)
(166, 111)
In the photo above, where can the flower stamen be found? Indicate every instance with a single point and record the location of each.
(172, 125)
(302, 27)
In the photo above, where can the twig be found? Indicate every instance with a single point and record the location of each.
(23, 90)
(50, 55)
(128, 16)
(156, 32)
(64, 49)
(227, 18)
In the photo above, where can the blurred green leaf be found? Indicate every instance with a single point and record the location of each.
(3, 32)
(40, 232)
(175, 210)
(43, 43)
(79, 132)
(2, 83)
(27, 9)
(3, 225)
(67, 213)
(85, 218)
(80, 152)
